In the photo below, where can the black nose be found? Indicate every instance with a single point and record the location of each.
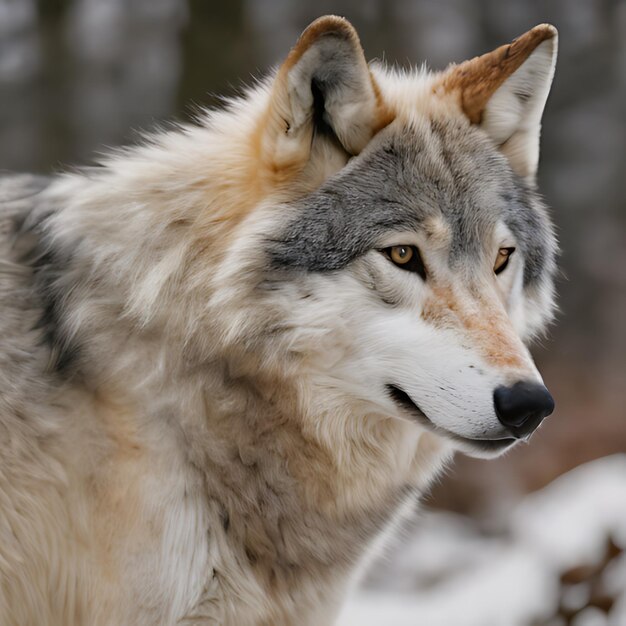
(522, 407)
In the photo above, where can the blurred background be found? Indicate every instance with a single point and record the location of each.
(77, 76)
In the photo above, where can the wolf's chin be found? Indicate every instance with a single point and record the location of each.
(482, 448)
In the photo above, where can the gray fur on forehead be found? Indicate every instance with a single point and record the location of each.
(447, 169)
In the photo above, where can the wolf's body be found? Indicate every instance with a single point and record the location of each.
(210, 375)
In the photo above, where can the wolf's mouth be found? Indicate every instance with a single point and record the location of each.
(402, 399)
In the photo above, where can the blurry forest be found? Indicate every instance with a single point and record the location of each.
(77, 76)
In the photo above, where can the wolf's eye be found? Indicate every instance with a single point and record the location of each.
(401, 255)
(407, 258)
(502, 260)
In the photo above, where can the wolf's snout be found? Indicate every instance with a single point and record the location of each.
(522, 407)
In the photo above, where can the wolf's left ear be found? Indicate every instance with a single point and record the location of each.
(323, 93)
(505, 92)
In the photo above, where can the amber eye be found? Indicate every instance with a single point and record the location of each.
(502, 260)
(401, 255)
(406, 258)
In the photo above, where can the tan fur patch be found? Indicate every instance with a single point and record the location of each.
(487, 327)
(476, 80)
(117, 419)
(384, 114)
(116, 485)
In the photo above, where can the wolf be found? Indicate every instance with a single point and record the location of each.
(234, 356)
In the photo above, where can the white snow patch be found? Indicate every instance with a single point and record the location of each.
(450, 574)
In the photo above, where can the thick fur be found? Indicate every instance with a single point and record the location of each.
(198, 338)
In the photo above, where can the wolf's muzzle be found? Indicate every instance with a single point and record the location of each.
(522, 407)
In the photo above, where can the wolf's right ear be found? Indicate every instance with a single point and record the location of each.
(323, 92)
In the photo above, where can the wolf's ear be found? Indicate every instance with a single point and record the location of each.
(505, 92)
(323, 91)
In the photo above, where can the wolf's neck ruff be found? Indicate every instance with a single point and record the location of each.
(198, 339)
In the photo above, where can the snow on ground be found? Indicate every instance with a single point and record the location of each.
(451, 574)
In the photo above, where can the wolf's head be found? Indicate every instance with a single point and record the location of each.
(373, 235)
(412, 255)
